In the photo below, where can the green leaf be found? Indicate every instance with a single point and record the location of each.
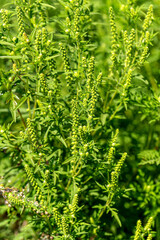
(115, 215)
(6, 43)
(62, 3)
(103, 118)
(10, 57)
(61, 140)
(23, 99)
(54, 178)
(47, 5)
(101, 186)
(54, 56)
(68, 160)
(4, 223)
(13, 104)
(46, 134)
(53, 154)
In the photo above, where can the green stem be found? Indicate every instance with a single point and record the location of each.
(116, 110)
(158, 226)
(34, 108)
(110, 197)
(22, 119)
(29, 107)
(47, 220)
(110, 102)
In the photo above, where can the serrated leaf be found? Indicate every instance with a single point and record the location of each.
(115, 215)
(149, 157)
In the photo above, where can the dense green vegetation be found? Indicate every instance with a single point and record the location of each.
(79, 125)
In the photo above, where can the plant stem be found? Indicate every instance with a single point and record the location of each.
(22, 119)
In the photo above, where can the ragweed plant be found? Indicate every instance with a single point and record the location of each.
(142, 232)
(65, 168)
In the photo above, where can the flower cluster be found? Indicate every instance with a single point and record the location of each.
(141, 232)
(52, 64)
(32, 134)
(94, 95)
(147, 227)
(20, 20)
(129, 48)
(116, 172)
(112, 146)
(125, 38)
(44, 36)
(128, 77)
(74, 128)
(74, 205)
(114, 39)
(4, 19)
(149, 237)
(113, 27)
(66, 65)
(57, 217)
(76, 23)
(64, 226)
(84, 62)
(148, 19)
(138, 230)
(38, 41)
(90, 74)
(143, 55)
(42, 14)
(15, 197)
(43, 83)
(33, 182)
